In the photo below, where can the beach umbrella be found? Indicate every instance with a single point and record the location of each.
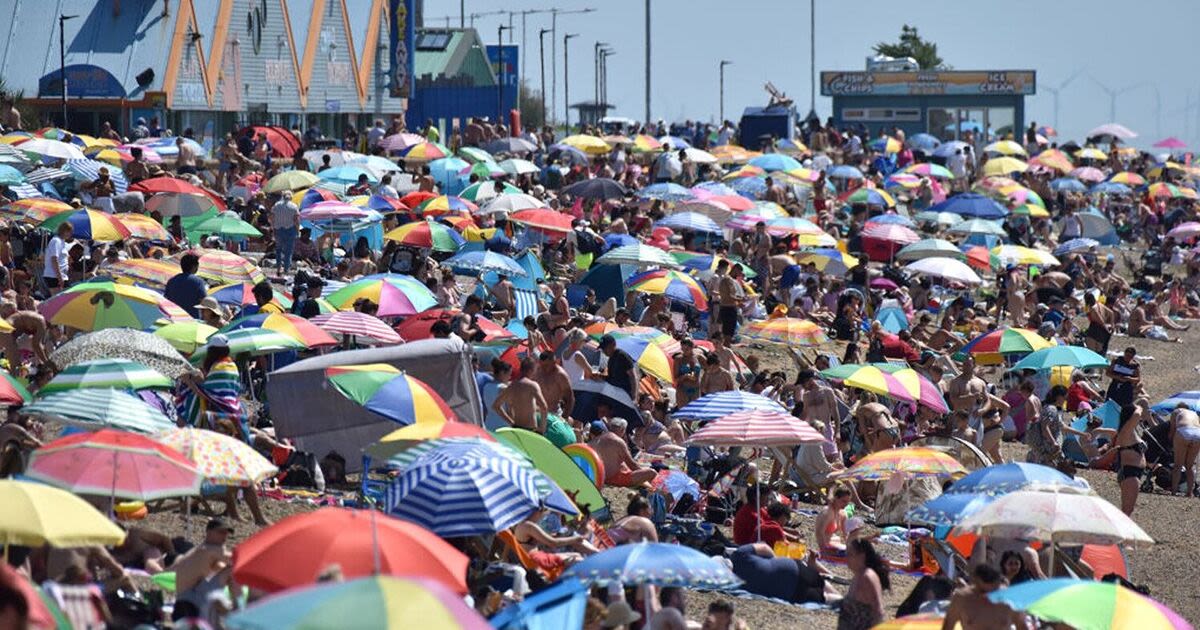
(1005, 147)
(89, 171)
(106, 374)
(226, 224)
(941, 219)
(396, 295)
(253, 342)
(558, 466)
(923, 142)
(590, 393)
(511, 146)
(346, 174)
(335, 211)
(945, 268)
(240, 294)
(639, 255)
(1091, 153)
(104, 304)
(445, 204)
(910, 461)
(180, 204)
(356, 324)
(947, 510)
(666, 191)
(1089, 605)
(482, 191)
(418, 326)
(379, 602)
(971, 205)
(756, 429)
(12, 391)
(886, 145)
(421, 431)
(827, 260)
(720, 404)
(222, 460)
(425, 152)
(10, 176)
(294, 551)
(589, 144)
(1170, 143)
(1020, 255)
(775, 162)
(222, 267)
(95, 408)
(36, 514)
(892, 318)
(1088, 174)
(674, 142)
(746, 221)
(400, 141)
(977, 226)
(990, 348)
(186, 336)
(92, 225)
(1075, 245)
(1113, 130)
(660, 564)
(1075, 356)
(144, 227)
(1190, 399)
(47, 148)
(1056, 517)
(1110, 188)
(928, 169)
(894, 380)
(902, 181)
(290, 180)
(598, 189)
(1067, 184)
(504, 204)
(482, 261)
(1052, 159)
(844, 171)
(167, 184)
(287, 324)
(516, 167)
(791, 331)
(890, 232)
(426, 234)
(123, 343)
(1004, 478)
(115, 464)
(674, 284)
(649, 356)
(1004, 166)
(38, 209)
(385, 390)
(543, 219)
(929, 248)
(690, 221)
(465, 491)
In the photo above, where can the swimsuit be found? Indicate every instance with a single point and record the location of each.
(1188, 433)
(1127, 471)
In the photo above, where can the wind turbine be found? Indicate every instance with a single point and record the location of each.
(1054, 91)
(1113, 94)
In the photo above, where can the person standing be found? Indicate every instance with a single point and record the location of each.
(1126, 375)
(622, 370)
(285, 224)
(186, 288)
(185, 160)
(57, 262)
(1185, 443)
(1131, 455)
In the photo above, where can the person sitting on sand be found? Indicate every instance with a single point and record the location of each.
(796, 581)
(636, 526)
(972, 609)
(203, 572)
(620, 469)
(145, 549)
(535, 540)
(830, 525)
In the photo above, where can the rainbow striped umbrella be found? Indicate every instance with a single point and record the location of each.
(911, 461)
(446, 204)
(426, 234)
(104, 304)
(892, 380)
(643, 143)
(239, 294)
(786, 330)
(673, 284)
(1128, 178)
(220, 266)
(387, 391)
(91, 225)
(425, 152)
(38, 209)
(668, 343)
(929, 169)
(990, 348)
(1089, 605)
(396, 295)
(1163, 189)
(293, 326)
(649, 356)
(143, 226)
(147, 272)
(904, 181)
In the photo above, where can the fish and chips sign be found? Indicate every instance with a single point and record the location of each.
(932, 82)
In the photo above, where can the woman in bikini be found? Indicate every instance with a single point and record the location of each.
(533, 538)
(1131, 455)
(1185, 442)
(636, 527)
(831, 523)
(862, 607)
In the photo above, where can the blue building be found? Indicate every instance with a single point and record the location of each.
(457, 77)
(944, 103)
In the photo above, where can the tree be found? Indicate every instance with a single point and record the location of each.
(912, 45)
(533, 110)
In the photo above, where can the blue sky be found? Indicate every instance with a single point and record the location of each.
(1140, 46)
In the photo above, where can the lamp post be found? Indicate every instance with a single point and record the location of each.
(542, 59)
(722, 82)
(554, 13)
(596, 68)
(567, 82)
(647, 120)
(500, 74)
(604, 55)
(812, 58)
(62, 64)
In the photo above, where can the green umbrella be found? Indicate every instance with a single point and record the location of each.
(108, 374)
(1074, 356)
(639, 255)
(930, 248)
(476, 155)
(482, 191)
(254, 342)
(186, 336)
(227, 224)
(101, 408)
(558, 466)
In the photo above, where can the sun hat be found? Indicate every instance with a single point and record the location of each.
(620, 613)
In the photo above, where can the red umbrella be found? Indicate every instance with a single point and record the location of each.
(167, 183)
(293, 551)
(115, 464)
(416, 198)
(418, 326)
(283, 143)
(39, 616)
(544, 219)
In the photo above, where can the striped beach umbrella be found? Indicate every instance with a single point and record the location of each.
(145, 272)
(1011, 477)
(143, 226)
(991, 348)
(12, 391)
(239, 294)
(674, 284)
(253, 342)
(792, 331)
(445, 204)
(356, 324)
(104, 304)
(893, 380)
(481, 192)
(662, 564)
(293, 326)
(396, 295)
(911, 461)
(1089, 605)
(92, 225)
(115, 464)
(100, 408)
(107, 374)
(638, 255)
(720, 404)
(425, 152)
(38, 209)
(222, 267)
(828, 260)
(426, 234)
(756, 428)
(89, 170)
(385, 390)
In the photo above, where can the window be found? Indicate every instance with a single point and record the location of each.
(881, 115)
(433, 40)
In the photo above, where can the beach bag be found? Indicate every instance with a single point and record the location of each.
(302, 471)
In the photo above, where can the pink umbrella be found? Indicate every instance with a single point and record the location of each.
(756, 428)
(1170, 143)
(1185, 231)
(334, 211)
(737, 203)
(890, 232)
(358, 325)
(116, 464)
(1088, 174)
(148, 154)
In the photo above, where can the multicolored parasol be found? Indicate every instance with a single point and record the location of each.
(426, 234)
(356, 324)
(104, 304)
(786, 330)
(909, 460)
(387, 391)
(293, 326)
(1089, 605)
(990, 348)
(107, 374)
(674, 284)
(91, 225)
(396, 295)
(239, 294)
(221, 459)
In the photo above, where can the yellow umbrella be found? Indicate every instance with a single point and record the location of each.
(35, 514)
(1091, 153)
(290, 180)
(1005, 147)
(1004, 166)
(588, 144)
(1018, 255)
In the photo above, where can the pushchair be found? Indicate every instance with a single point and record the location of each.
(1159, 457)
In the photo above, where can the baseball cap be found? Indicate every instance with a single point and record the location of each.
(218, 341)
(597, 426)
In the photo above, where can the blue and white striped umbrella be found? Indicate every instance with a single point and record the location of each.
(722, 404)
(45, 174)
(89, 170)
(99, 409)
(666, 191)
(690, 221)
(457, 493)
(10, 155)
(25, 191)
(486, 261)
(1076, 245)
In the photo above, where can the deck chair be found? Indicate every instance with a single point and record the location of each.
(518, 553)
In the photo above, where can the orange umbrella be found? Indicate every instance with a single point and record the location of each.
(293, 551)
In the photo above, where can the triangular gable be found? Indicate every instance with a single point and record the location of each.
(308, 35)
(371, 35)
(217, 15)
(185, 26)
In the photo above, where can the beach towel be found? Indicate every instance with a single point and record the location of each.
(526, 304)
(221, 388)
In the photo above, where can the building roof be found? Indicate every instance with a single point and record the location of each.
(450, 53)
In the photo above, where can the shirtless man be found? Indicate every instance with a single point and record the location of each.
(18, 437)
(24, 323)
(521, 404)
(555, 385)
(971, 608)
(722, 351)
(502, 291)
(715, 377)
(880, 430)
(619, 467)
(204, 570)
(966, 388)
(820, 405)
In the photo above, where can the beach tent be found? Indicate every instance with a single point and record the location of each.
(320, 420)
(561, 605)
(559, 467)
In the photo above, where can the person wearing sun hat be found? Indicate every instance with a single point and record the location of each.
(212, 313)
(620, 615)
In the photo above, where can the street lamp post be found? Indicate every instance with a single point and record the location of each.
(567, 81)
(500, 74)
(647, 120)
(542, 59)
(62, 64)
(596, 69)
(554, 13)
(722, 82)
(604, 55)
